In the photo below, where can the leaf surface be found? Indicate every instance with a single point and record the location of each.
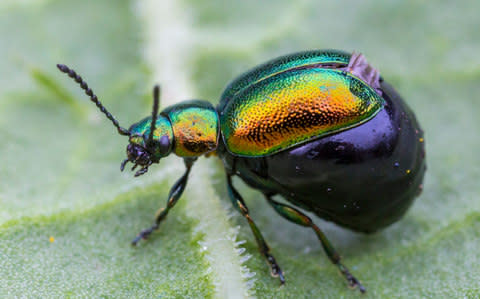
(67, 214)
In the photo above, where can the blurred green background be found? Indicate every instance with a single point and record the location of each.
(59, 157)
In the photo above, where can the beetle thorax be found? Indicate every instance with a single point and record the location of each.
(195, 128)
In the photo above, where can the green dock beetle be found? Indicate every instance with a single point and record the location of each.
(320, 128)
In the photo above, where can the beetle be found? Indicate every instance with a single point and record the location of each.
(320, 128)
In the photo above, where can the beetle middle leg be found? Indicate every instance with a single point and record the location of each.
(239, 204)
(298, 217)
(173, 196)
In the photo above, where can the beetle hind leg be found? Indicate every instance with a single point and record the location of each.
(239, 204)
(298, 217)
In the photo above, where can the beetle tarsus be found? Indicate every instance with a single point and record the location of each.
(275, 268)
(144, 234)
(141, 171)
(352, 281)
(124, 162)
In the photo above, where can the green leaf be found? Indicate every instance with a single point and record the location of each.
(67, 214)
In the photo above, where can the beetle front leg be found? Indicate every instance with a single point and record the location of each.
(173, 196)
(239, 204)
(298, 217)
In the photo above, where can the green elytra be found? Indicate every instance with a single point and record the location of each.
(289, 109)
(194, 128)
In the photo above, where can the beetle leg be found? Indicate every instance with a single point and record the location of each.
(173, 196)
(239, 204)
(298, 217)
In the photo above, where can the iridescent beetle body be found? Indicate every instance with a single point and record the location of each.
(320, 128)
(362, 176)
(292, 105)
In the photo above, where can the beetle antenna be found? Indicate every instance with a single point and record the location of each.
(156, 101)
(88, 91)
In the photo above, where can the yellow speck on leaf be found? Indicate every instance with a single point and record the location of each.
(51, 239)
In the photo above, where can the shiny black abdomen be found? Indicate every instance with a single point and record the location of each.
(364, 178)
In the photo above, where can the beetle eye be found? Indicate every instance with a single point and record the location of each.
(164, 144)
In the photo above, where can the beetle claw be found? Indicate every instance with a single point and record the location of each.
(356, 284)
(144, 234)
(275, 270)
(352, 281)
(141, 171)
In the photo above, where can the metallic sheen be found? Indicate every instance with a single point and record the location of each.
(328, 58)
(140, 131)
(294, 106)
(195, 128)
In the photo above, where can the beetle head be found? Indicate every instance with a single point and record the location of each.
(146, 148)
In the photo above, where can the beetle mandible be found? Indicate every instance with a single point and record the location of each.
(320, 128)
